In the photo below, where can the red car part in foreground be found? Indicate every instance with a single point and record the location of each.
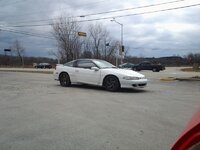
(191, 136)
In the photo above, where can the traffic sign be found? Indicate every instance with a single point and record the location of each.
(82, 34)
(7, 50)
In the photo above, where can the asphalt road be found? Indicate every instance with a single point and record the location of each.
(36, 113)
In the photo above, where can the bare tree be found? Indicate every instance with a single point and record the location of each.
(86, 54)
(112, 50)
(87, 49)
(56, 54)
(19, 51)
(194, 59)
(126, 51)
(71, 46)
(68, 42)
(98, 35)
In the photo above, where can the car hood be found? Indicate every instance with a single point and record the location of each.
(123, 72)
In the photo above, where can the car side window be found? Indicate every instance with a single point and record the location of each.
(87, 64)
(145, 64)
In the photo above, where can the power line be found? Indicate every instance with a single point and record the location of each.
(106, 18)
(23, 31)
(39, 12)
(27, 33)
(107, 12)
(143, 13)
(126, 9)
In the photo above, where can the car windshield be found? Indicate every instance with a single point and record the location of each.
(69, 64)
(103, 64)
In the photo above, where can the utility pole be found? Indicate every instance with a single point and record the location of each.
(121, 48)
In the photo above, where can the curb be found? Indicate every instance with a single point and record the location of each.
(28, 71)
(188, 79)
(181, 79)
(168, 79)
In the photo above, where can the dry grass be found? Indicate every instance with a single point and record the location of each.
(190, 70)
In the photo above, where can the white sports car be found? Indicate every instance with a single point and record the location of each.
(98, 72)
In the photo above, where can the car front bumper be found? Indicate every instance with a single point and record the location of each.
(56, 75)
(133, 83)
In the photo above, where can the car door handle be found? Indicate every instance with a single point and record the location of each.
(76, 71)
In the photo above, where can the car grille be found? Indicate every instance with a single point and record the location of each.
(139, 85)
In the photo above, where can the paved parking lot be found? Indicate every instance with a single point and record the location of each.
(36, 113)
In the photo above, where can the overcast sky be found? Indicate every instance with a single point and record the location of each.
(165, 33)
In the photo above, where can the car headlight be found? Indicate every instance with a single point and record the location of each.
(131, 78)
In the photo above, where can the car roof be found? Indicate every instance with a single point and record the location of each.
(146, 62)
(44, 63)
(88, 59)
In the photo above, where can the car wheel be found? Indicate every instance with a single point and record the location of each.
(64, 79)
(134, 69)
(154, 70)
(111, 83)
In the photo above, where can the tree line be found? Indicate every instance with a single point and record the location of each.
(192, 59)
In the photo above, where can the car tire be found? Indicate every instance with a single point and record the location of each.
(111, 83)
(64, 80)
(154, 70)
(134, 69)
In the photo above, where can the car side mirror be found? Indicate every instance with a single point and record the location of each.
(94, 68)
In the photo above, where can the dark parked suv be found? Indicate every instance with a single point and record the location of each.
(126, 65)
(148, 66)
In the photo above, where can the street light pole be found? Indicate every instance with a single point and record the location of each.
(121, 37)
